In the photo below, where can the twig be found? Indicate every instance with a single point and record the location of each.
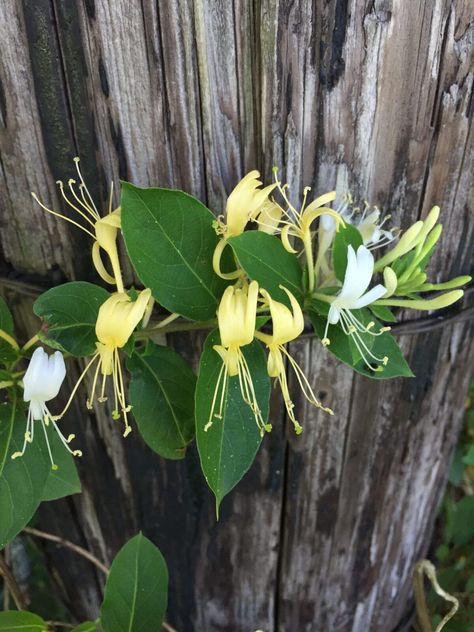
(167, 627)
(426, 567)
(63, 624)
(69, 545)
(422, 613)
(12, 585)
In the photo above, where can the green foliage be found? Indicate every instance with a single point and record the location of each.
(136, 592)
(162, 396)
(265, 260)
(7, 352)
(23, 480)
(344, 348)
(227, 448)
(170, 240)
(11, 620)
(347, 235)
(64, 481)
(455, 551)
(69, 313)
(28, 480)
(383, 313)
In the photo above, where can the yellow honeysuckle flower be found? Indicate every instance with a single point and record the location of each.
(288, 324)
(243, 204)
(269, 217)
(103, 230)
(236, 317)
(118, 316)
(297, 223)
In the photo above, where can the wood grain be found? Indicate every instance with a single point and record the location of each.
(372, 96)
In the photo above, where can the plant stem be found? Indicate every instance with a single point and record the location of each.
(62, 624)
(174, 327)
(12, 585)
(11, 341)
(308, 248)
(30, 342)
(323, 297)
(69, 545)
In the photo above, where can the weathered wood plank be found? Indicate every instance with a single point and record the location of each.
(371, 96)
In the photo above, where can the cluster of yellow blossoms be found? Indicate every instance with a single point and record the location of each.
(401, 268)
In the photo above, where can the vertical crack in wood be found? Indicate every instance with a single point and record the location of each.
(279, 578)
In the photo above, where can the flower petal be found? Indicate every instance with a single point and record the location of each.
(369, 297)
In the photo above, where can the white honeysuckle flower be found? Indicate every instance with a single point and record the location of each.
(354, 295)
(367, 223)
(42, 381)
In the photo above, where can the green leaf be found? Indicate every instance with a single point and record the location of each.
(469, 458)
(265, 260)
(64, 481)
(162, 397)
(8, 415)
(170, 240)
(383, 313)
(456, 469)
(7, 352)
(136, 592)
(23, 480)
(12, 620)
(344, 348)
(70, 313)
(470, 584)
(344, 237)
(461, 527)
(88, 626)
(228, 448)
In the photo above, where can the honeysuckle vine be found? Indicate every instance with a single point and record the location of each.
(255, 273)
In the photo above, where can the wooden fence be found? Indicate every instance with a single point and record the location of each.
(375, 96)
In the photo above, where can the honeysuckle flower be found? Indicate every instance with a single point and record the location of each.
(368, 222)
(103, 230)
(41, 382)
(297, 222)
(243, 204)
(117, 319)
(287, 326)
(269, 217)
(354, 295)
(236, 317)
